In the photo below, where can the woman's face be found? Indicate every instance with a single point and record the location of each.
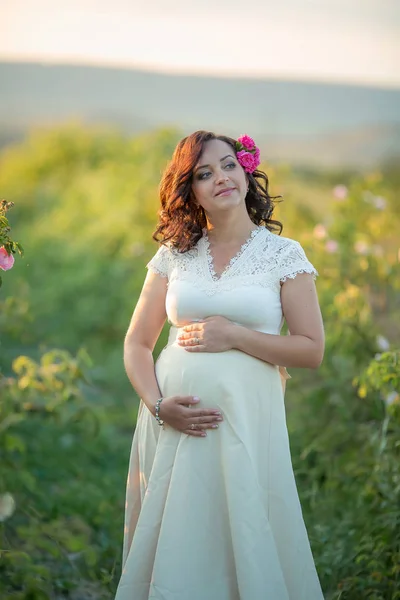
(217, 170)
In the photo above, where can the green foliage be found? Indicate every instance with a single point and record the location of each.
(51, 455)
(349, 478)
(6, 242)
(86, 203)
(345, 420)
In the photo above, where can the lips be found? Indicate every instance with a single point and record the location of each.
(225, 190)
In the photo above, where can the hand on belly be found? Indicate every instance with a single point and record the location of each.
(212, 334)
(181, 413)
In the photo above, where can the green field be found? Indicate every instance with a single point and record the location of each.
(85, 208)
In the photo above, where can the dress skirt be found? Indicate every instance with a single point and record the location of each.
(216, 518)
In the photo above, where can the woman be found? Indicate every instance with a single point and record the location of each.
(212, 510)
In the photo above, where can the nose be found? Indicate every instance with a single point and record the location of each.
(221, 176)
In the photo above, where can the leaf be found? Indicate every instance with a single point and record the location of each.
(14, 443)
(23, 363)
(27, 479)
(362, 391)
(20, 249)
(11, 420)
(17, 556)
(24, 382)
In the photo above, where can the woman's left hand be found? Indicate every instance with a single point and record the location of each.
(214, 334)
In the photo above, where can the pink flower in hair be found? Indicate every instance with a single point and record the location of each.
(247, 142)
(248, 160)
(6, 260)
(247, 153)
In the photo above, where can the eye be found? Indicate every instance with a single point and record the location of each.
(202, 175)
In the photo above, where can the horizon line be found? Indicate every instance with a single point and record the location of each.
(196, 71)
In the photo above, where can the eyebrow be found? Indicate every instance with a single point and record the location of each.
(202, 166)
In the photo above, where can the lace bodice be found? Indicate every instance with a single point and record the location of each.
(254, 275)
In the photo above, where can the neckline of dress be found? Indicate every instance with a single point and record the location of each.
(234, 259)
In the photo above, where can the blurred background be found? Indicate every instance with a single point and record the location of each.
(94, 97)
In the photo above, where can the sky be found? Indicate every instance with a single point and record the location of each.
(354, 41)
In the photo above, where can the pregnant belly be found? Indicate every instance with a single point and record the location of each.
(220, 379)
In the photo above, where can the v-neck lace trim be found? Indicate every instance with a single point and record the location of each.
(233, 260)
(266, 261)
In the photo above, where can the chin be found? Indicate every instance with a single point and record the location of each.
(228, 202)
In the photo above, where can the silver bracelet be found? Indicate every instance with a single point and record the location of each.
(159, 421)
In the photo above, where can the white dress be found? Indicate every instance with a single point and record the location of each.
(219, 518)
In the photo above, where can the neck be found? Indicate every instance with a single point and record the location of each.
(227, 232)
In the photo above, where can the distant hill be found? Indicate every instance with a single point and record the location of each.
(303, 123)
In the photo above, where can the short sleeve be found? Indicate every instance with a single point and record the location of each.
(293, 261)
(160, 262)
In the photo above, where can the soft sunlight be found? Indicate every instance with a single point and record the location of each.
(293, 41)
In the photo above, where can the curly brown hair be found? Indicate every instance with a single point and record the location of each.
(180, 220)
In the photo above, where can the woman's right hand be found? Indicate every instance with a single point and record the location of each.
(177, 411)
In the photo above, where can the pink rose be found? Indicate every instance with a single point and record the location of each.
(247, 142)
(320, 232)
(6, 260)
(256, 158)
(248, 160)
(340, 192)
(331, 246)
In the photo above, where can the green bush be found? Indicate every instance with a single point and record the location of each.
(57, 459)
